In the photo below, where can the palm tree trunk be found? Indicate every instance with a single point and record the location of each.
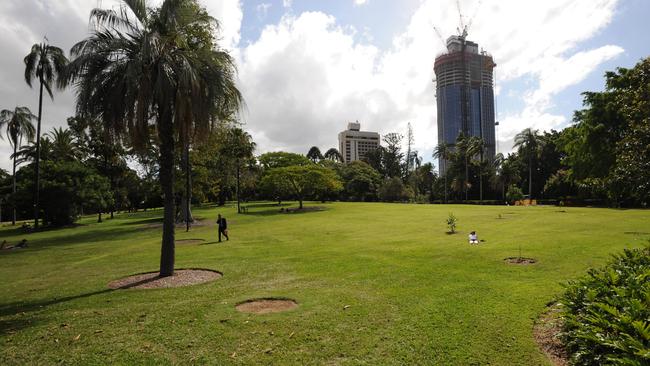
(38, 154)
(530, 178)
(445, 187)
(188, 189)
(13, 189)
(238, 190)
(466, 178)
(166, 135)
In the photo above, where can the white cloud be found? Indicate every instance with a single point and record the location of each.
(287, 3)
(308, 75)
(360, 2)
(65, 22)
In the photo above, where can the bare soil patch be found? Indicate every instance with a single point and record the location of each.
(520, 260)
(181, 277)
(265, 306)
(189, 241)
(546, 332)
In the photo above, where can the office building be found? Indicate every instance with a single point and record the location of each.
(354, 144)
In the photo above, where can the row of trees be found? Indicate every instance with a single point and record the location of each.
(154, 78)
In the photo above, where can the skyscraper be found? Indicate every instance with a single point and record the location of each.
(465, 95)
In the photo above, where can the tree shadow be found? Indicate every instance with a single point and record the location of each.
(290, 212)
(13, 308)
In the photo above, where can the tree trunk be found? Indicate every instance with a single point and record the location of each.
(99, 216)
(530, 178)
(445, 187)
(466, 178)
(238, 200)
(38, 155)
(166, 136)
(300, 203)
(185, 211)
(13, 189)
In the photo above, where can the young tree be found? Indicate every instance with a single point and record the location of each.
(18, 124)
(118, 73)
(46, 64)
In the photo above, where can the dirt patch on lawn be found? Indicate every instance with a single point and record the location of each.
(520, 260)
(189, 241)
(181, 277)
(265, 306)
(546, 332)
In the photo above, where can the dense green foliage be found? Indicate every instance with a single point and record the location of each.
(607, 313)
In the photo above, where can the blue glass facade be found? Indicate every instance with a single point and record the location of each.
(472, 111)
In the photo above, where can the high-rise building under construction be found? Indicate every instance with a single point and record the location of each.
(465, 95)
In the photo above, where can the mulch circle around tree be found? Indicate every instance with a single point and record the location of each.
(266, 305)
(181, 277)
(520, 260)
(189, 241)
(546, 332)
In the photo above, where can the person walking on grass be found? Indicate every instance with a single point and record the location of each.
(223, 227)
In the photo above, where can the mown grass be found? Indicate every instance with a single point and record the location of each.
(416, 295)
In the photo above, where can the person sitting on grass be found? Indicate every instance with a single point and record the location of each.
(473, 238)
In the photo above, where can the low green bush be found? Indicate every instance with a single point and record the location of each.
(607, 313)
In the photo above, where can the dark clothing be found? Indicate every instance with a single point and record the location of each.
(223, 228)
(223, 225)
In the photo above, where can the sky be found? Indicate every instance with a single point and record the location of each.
(306, 68)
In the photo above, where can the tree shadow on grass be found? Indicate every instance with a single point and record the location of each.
(16, 307)
(76, 238)
(289, 212)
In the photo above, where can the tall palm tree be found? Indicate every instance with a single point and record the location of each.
(528, 143)
(45, 63)
(443, 151)
(241, 147)
(477, 147)
(18, 123)
(162, 66)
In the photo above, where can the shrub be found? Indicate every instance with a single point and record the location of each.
(451, 223)
(514, 194)
(606, 313)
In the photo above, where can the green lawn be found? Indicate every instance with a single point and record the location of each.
(416, 295)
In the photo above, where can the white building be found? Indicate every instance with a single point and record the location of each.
(354, 144)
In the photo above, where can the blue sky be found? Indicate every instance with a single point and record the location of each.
(308, 67)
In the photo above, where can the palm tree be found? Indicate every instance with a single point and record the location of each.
(160, 66)
(528, 142)
(19, 124)
(334, 155)
(314, 154)
(241, 147)
(47, 64)
(443, 152)
(64, 146)
(477, 147)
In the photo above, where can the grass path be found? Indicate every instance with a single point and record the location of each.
(415, 294)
